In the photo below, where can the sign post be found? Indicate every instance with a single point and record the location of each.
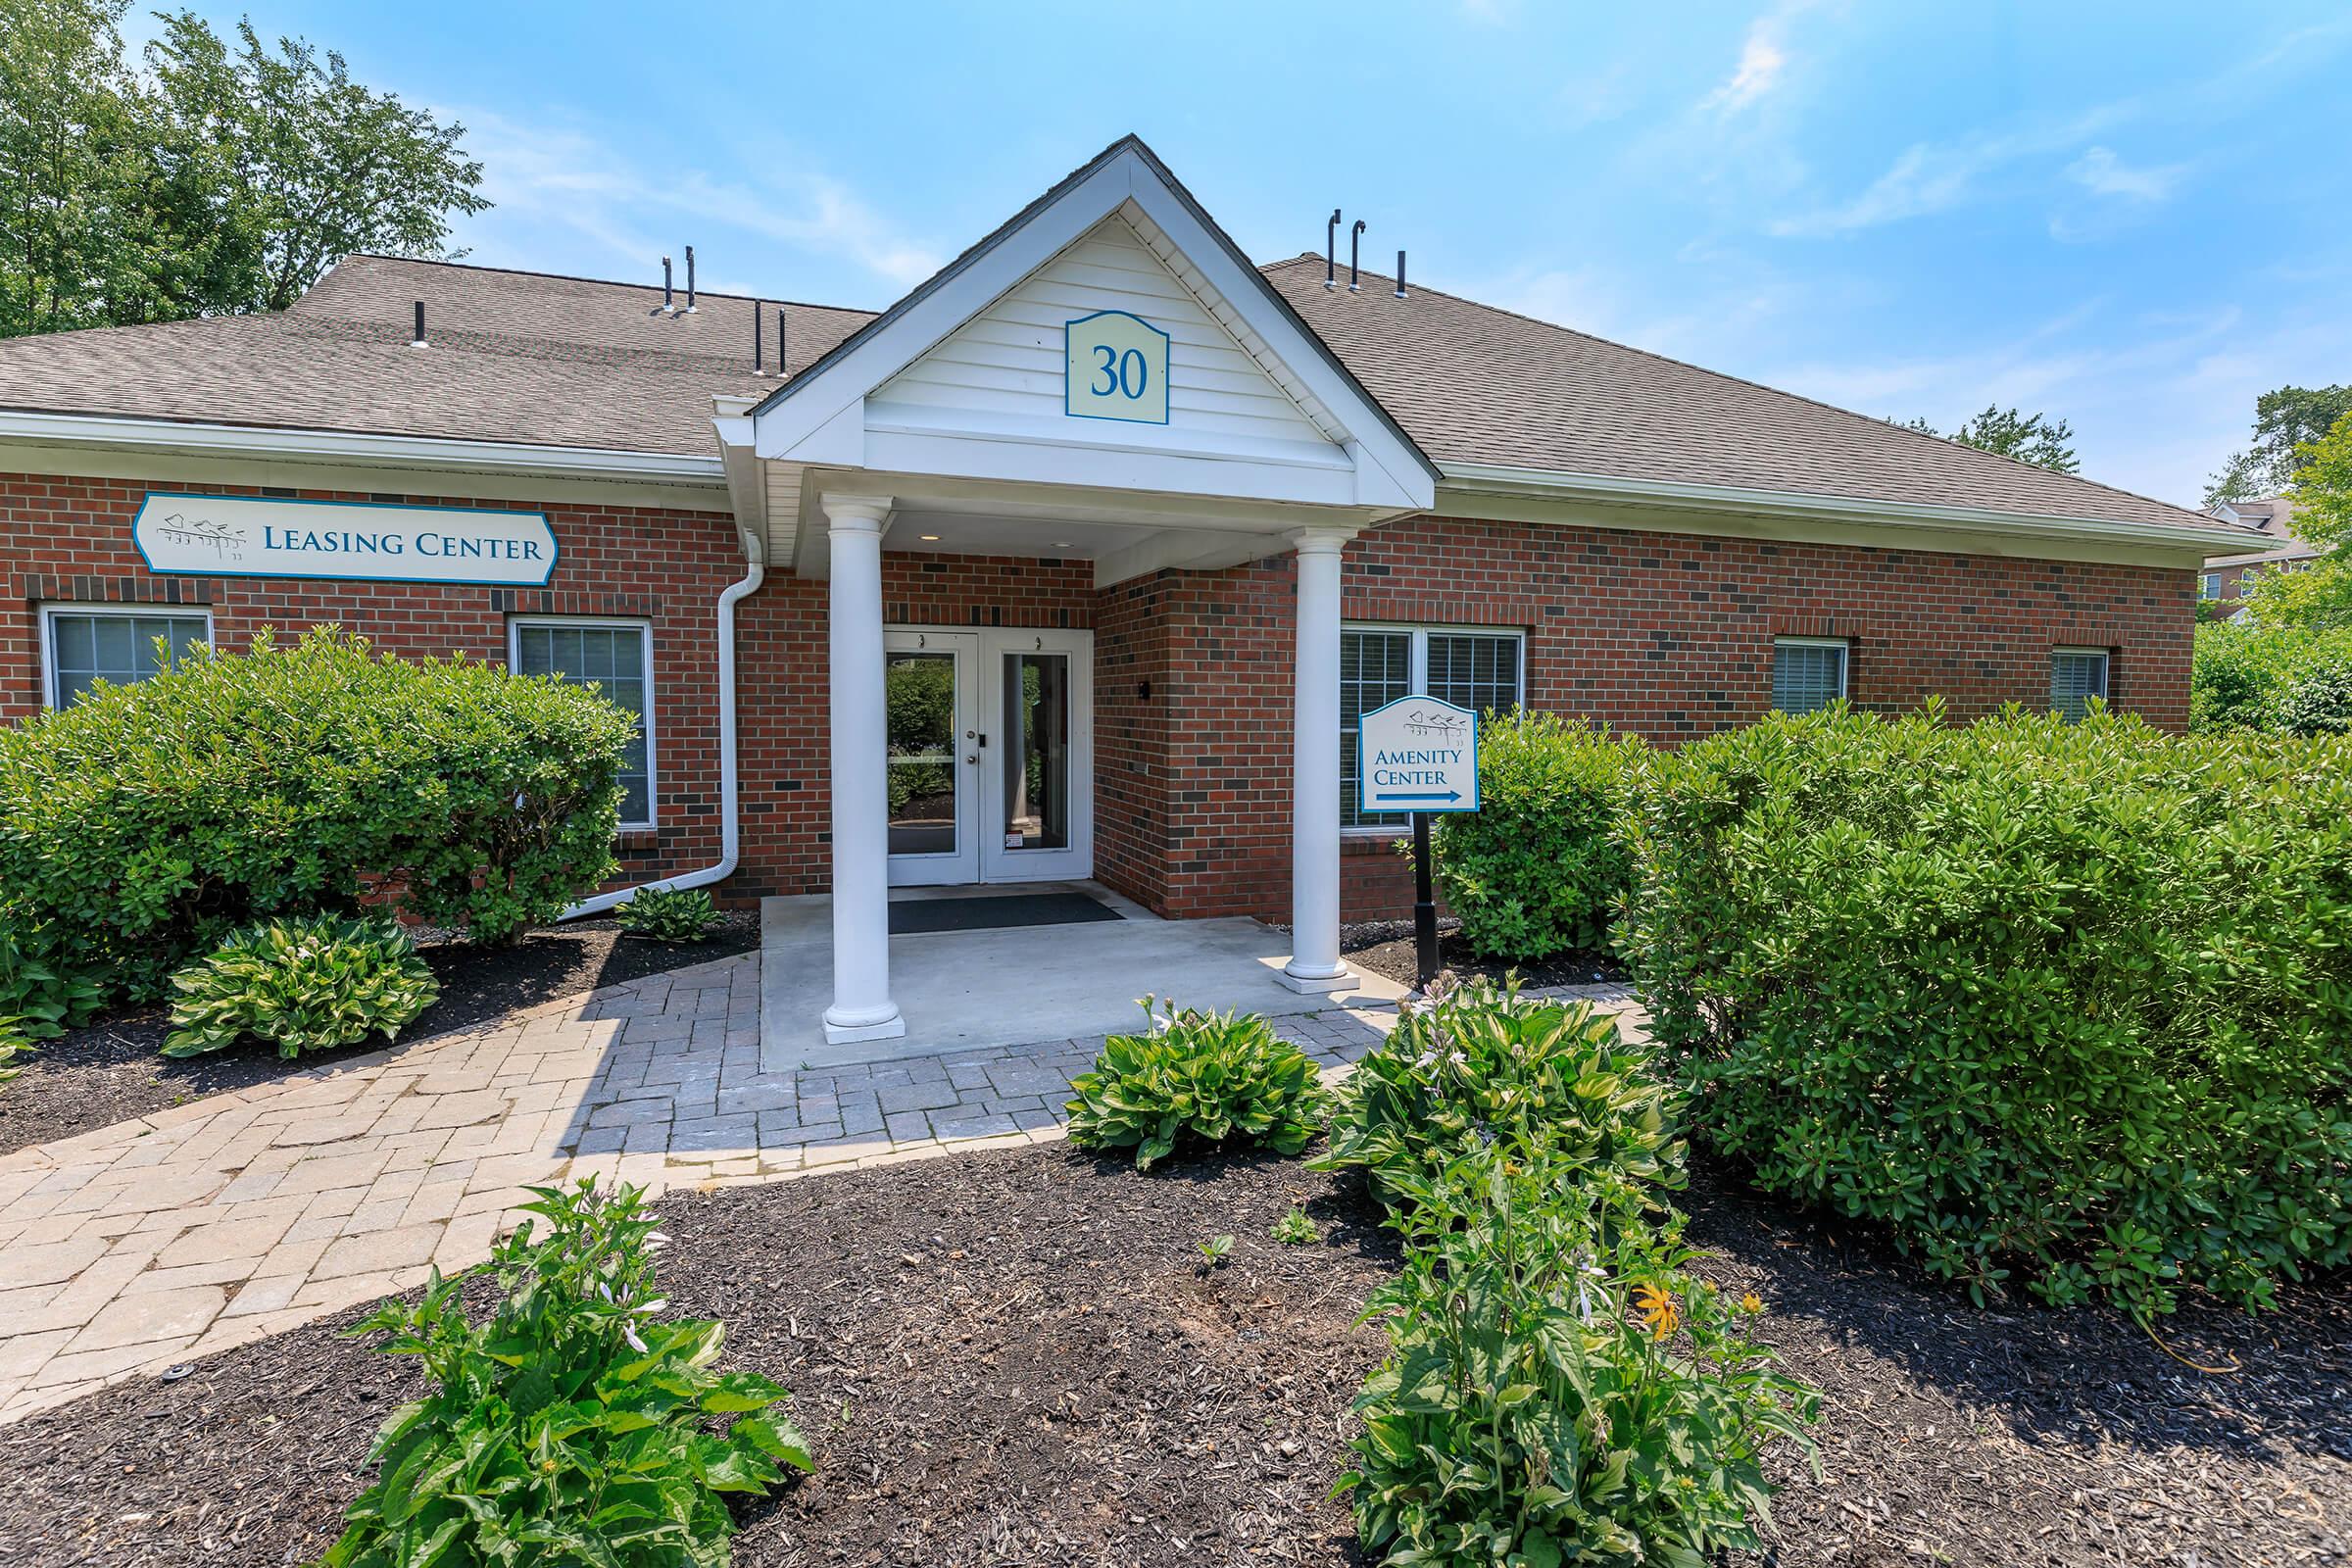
(1419, 754)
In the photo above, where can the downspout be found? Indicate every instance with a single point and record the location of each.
(730, 827)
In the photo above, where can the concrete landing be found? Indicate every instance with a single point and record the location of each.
(983, 989)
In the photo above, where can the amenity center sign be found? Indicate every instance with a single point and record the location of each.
(268, 536)
(1418, 753)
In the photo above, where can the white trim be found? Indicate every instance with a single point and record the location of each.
(653, 772)
(1416, 680)
(390, 451)
(49, 610)
(1473, 479)
(820, 417)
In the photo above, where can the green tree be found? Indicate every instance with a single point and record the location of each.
(2284, 421)
(2318, 595)
(223, 179)
(2035, 438)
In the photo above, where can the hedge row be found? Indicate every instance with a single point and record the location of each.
(2064, 1001)
(144, 821)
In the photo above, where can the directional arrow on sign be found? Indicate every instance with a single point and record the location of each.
(1390, 799)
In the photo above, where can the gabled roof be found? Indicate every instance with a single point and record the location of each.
(572, 362)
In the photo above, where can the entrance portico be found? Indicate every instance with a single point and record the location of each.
(1103, 381)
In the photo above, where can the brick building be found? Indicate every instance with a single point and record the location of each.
(1081, 561)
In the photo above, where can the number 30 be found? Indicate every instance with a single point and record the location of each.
(1123, 374)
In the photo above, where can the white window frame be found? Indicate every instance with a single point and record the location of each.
(1416, 680)
(652, 769)
(127, 609)
(1845, 662)
(2209, 586)
(2106, 659)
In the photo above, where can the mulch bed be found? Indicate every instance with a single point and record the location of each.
(1008, 1358)
(111, 1070)
(1386, 948)
(1012, 1359)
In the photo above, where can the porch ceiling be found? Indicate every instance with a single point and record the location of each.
(1125, 533)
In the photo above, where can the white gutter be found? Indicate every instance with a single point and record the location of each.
(1551, 484)
(350, 446)
(730, 826)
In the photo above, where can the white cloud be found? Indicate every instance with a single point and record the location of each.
(1762, 59)
(2102, 173)
(1928, 177)
(570, 179)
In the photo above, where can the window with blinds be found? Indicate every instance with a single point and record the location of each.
(1480, 670)
(2077, 676)
(117, 647)
(1808, 673)
(617, 657)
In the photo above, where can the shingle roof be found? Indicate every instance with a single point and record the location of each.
(1476, 384)
(544, 360)
(519, 357)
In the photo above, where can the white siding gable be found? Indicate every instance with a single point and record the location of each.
(1001, 373)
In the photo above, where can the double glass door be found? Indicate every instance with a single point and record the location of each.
(991, 768)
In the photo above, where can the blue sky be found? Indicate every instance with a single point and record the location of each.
(2136, 217)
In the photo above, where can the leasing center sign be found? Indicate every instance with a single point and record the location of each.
(259, 536)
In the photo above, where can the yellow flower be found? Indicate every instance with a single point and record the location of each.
(1750, 1303)
(1658, 1312)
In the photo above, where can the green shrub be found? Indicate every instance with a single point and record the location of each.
(2064, 999)
(1559, 1387)
(304, 985)
(572, 1427)
(1481, 1066)
(39, 987)
(669, 914)
(13, 1038)
(2317, 702)
(148, 819)
(1211, 1077)
(1536, 869)
(2243, 674)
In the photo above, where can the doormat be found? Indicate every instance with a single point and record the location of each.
(916, 916)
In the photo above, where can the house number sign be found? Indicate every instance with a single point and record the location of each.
(1117, 368)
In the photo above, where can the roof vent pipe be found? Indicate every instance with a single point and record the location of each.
(779, 342)
(1331, 251)
(690, 280)
(1401, 275)
(417, 341)
(1356, 244)
(668, 295)
(758, 337)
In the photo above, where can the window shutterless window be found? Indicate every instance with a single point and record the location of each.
(2211, 586)
(84, 644)
(616, 656)
(2077, 676)
(1808, 673)
(1481, 670)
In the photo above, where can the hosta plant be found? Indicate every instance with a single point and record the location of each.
(1481, 1064)
(1210, 1077)
(669, 914)
(302, 985)
(1560, 1386)
(576, 1426)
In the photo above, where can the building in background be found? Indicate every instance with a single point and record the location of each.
(2225, 579)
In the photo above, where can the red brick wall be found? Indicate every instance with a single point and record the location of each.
(70, 539)
(1667, 635)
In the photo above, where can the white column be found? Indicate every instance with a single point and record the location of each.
(1315, 771)
(861, 1007)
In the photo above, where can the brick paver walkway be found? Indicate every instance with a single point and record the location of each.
(138, 1246)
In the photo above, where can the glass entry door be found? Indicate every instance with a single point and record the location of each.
(991, 764)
